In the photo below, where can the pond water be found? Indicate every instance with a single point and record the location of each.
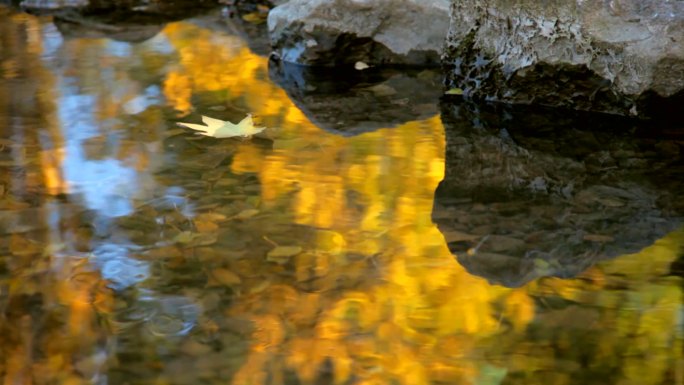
(370, 235)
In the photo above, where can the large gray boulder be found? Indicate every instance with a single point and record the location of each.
(375, 32)
(620, 56)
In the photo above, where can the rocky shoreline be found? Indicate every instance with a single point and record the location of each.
(621, 57)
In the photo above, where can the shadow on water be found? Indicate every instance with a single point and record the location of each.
(349, 101)
(541, 192)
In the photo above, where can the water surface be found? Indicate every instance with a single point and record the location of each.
(133, 251)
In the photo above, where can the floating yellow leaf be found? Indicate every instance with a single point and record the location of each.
(225, 129)
(454, 91)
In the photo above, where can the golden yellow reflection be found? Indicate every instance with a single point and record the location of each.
(423, 319)
(371, 294)
(370, 195)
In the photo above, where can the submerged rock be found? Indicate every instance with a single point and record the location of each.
(375, 32)
(624, 57)
(531, 193)
(349, 102)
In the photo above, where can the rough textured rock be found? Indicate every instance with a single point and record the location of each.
(376, 32)
(350, 102)
(622, 56)
(530, 194)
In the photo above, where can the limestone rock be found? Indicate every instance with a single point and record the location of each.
(375, 32)
(622, 56)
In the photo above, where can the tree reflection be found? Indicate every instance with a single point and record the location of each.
(140, 253)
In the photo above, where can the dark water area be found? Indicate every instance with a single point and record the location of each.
(375, 233)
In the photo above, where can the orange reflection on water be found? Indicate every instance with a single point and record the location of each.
(370, 195)
(371, 296)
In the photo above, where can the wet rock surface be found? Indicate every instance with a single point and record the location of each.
(624, 57)
(531, 193)
(342, 32)
(351, 102)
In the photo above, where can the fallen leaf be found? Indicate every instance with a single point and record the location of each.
(174, 132)
(359, 65)
(196, 349)
(454, 91)
(598, 238)
(189, 239)
(205, 226)
(245, 214)
(225, 277)
(183, 237)
(458, 236)
(259, 287)
(330, 242)
(382, 90)
(224, 129)
(212, 217)
(254, 18)
(164, 252)
(280, 254)
(23, 247)
(608, 202)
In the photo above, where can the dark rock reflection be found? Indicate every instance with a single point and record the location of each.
(531, 193)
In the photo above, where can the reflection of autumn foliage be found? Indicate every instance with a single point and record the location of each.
(384, 300)
(51, 305)
(52, 330)
(368, 293)
(373, 193)
(633, 333)
(377, 204)
(27, 96)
